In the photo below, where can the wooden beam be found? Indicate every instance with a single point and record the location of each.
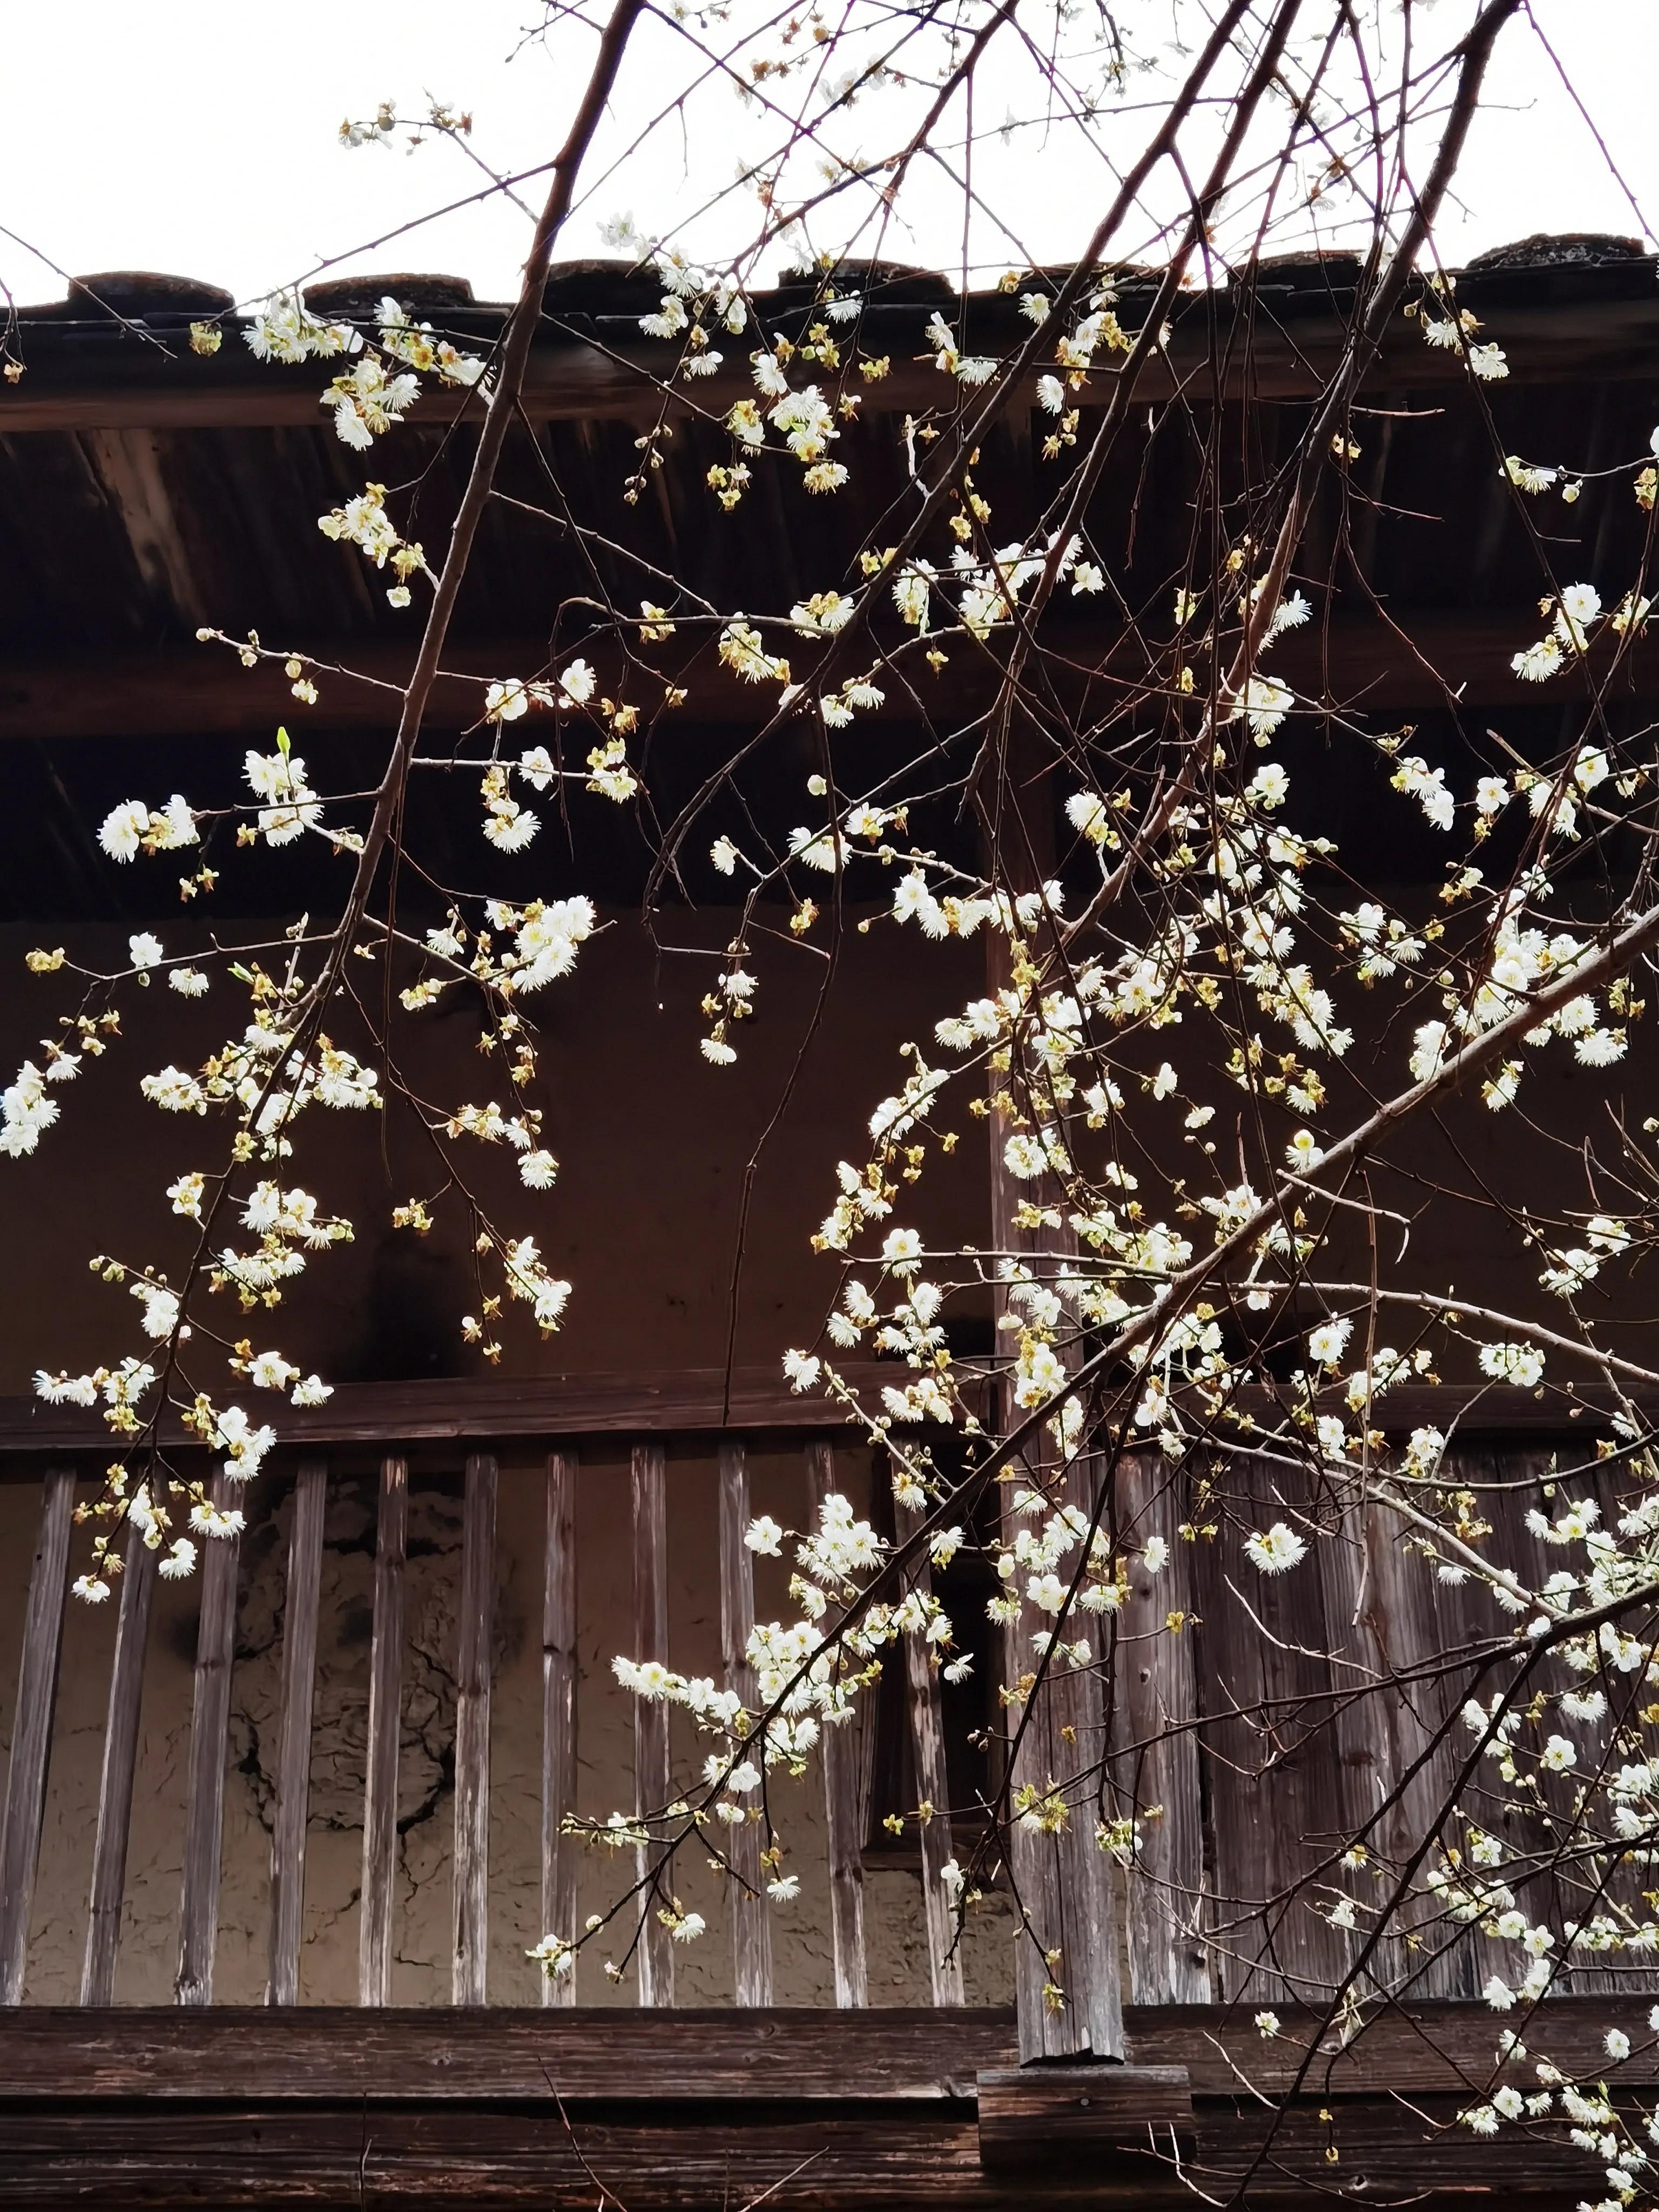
(690, 1401)
(652, 1401)
(288, 1832)
(845, 1799)
(597, 2054)
(1580, 341)
(559, 1674)
(475, 1665)
(836, 2160)
(109, 1849)
(31, 1734)
(1362, 663)
(878, 2054)
(385, 1659)
(653, 1779)
(210, 1722)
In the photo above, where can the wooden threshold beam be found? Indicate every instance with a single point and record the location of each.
(842, 2160)
(1361, 665)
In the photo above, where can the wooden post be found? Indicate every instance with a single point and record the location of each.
(209, 1720)
(1062, 1881)
(652, 1784)
(288, 1832)
(31, 1735)
(751, 1922)
(109, 1849)
(845, 1798)
(932, 1791)
(1156, 1682)
(380, 1779)
(559, 1718)
(468, 1975)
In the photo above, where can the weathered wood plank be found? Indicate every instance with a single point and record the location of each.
(386, 1660)
(751, 1922)
(652, 1784)
(209, 1720)
(115, 1780)
(481, 1408)
(288, 1832)
(845, 1797)
(559, 1851)
(1380, 1606)
(1156, 1699)
(474, 1668)
(1275, 1776)
(932, 1791)
(1036, 2115)
(242, 2154)
(695, 1400)
(1382, 2151)
(793, 2055)
(31, 1735)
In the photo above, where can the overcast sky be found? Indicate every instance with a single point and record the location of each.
(199, 138)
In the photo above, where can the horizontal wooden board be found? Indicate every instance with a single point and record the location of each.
(789, 2055)
(800, 2057)
(339, 2155)
(669, 1401)
(702, 1400)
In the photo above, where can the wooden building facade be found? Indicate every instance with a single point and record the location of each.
(276, 1843)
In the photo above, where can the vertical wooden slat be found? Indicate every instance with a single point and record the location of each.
(288, 1833)
(932, 1790)
(109, 1849)
(751, 1923)
(1156, 1680)
(844, 1796)
(381, 1783)
(559, 1718)
(653, 1787)
(477, 1635)
(1078, 1737)
(204, 1807)
(1275, 1781)
(31, 1735)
